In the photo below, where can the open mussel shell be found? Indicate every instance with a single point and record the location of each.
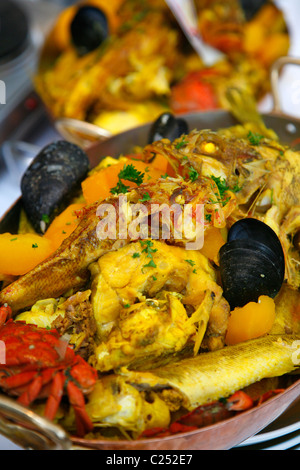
(51, 180)
(89, 28)
(167, 126)
(251, 263)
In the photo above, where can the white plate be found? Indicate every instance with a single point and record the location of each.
(285, 426)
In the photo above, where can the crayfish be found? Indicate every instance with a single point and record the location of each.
(40, 364)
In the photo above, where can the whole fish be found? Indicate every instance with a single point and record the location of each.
(134, 401)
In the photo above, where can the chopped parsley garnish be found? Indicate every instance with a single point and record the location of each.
(147, 248)
(120, 188)
(208, 217)
(151, 264)
(193, 174)
(35, 245)
(45, 218)
(190, 261)
(223, 188)
(220, 201)
(236, 188)
(221, 184)
(126, 305)
(254, 138)
(128, 173)
(136, 255)
(148, 244)
(164, 176)
(181, 144)
(14, 239)
(146, 197)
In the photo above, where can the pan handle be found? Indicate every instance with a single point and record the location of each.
(274, 77)
(29, 430)
(80, 132)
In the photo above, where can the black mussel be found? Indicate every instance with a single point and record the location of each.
(51, 180)
(251, 7)
(167, 126)
(251, 263)
(89, 28)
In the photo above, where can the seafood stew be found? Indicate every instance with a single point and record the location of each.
(149, 315)
(157, 68)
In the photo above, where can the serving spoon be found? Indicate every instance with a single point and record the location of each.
(186, 16)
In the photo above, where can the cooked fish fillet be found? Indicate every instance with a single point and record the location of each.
(213, 375)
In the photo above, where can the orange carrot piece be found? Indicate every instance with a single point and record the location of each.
(21, 253)
(213, 241)
(161, 163)
(63, 225)
(97, 186)
(251, 321)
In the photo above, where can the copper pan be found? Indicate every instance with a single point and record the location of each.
(29, 430)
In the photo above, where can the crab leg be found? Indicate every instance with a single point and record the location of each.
(11, 382)
(55, 395)
(28, 384)
(76, 398)
(31, 392)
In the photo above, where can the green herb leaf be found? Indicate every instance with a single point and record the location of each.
(221, 184)
(254, 138)
(128, 173)
(120, 188)
(146, 197)
(147, 248)
(236, 188)
(151, 264)
(181, 144)
(45, 218)
(193, 174)
(190, 261)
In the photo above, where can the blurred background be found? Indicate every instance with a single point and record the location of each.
(25, 123)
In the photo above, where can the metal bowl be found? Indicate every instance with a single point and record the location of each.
(31, 431)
